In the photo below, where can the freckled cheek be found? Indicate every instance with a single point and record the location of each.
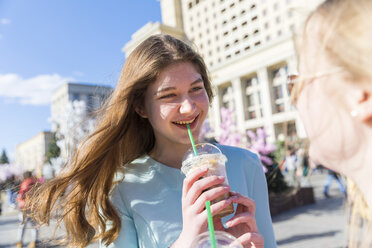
(166, 111)
(203, 101)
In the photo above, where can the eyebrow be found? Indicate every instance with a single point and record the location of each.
(173, 88)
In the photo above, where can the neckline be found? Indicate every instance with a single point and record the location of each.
(161, 165)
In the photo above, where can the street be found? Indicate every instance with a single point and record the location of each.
(321, 224)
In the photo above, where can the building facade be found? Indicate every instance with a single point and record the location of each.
(70, 122)
(31, 154)
(93, 96)
(248, 46)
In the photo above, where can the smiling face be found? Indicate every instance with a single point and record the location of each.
(178, 97)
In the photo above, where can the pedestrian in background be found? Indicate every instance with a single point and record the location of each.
(290, 166)
(26, 185)
(12, 187)
(332, 175)
(333, 94)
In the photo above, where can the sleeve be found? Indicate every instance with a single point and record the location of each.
(128, 234)
(263, 216)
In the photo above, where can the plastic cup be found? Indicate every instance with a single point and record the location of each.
(223, 239)
(208, 155)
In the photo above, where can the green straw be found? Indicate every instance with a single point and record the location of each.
(192, 140)
(207, 203)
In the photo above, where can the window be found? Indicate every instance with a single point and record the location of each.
(257, 43)
(90, 103)
(252, 104)
(75, 97)
(244, 23)
(254, 18)
(234, 28)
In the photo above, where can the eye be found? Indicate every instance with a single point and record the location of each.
(167, 96)
(196, 89)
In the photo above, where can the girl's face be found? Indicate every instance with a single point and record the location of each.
(178, 97)
(328, 124)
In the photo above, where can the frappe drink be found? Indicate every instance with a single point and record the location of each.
(223, 239)
(212, 157)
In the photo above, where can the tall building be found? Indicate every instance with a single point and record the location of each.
(248, 46)
(31, 154)
(93, 96)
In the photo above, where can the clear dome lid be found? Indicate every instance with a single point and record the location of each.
(202, 149)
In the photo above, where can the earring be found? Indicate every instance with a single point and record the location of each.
(354, 113)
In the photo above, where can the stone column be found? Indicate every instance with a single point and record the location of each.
(238, 102)
(263, 79)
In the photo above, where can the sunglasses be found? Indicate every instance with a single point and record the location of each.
(297, 83)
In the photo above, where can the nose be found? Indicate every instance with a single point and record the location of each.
(187, 106)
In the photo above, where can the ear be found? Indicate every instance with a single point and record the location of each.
(141, 112)
(365, 107)
(362, 104)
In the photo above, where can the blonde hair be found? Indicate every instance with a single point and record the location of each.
(360, 226)
(346, 33)
(80, 194)
(346, 39)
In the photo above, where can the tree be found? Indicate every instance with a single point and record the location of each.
(231, 135)
(4, 158)
(74, 124)
(267, 153)
(53, 149)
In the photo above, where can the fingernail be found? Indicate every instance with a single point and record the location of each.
(221, 177)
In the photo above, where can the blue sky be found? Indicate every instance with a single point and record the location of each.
(44, 43)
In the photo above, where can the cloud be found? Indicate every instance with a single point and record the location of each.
(5, 21)
(31, 91)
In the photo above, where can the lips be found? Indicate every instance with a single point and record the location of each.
(183, 123)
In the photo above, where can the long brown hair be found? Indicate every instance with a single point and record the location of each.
(80, 193)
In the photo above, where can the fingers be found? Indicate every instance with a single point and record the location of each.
(215, 207)
(192, 178)
(245, 218)
(251, 240)
(245, 204)
(209, 189)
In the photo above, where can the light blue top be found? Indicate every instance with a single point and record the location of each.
(149, 199)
